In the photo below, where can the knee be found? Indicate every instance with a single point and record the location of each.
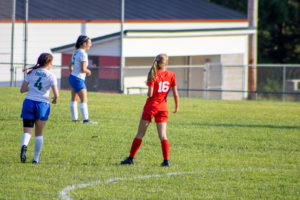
(163, 138)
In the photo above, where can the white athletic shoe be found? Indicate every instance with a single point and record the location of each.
(89, 122)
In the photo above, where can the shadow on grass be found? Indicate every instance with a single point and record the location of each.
(245, 125)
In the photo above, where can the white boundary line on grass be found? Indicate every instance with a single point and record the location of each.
(64, 193)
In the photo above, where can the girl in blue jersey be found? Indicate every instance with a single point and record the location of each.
(79, 70)
(36, 106)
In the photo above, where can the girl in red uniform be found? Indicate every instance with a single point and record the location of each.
(159, 83)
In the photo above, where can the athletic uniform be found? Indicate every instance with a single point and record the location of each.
(36, 105)
(156, 106)
(77, 77)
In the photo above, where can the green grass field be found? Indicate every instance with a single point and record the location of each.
(218, 150)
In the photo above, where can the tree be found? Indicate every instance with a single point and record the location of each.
(278, 29)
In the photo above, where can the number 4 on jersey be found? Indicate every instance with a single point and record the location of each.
(38, 84)
(163, 86)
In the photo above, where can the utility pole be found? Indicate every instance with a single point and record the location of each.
(122, 60)
(25, 34)
(13, 18)
(252, 60)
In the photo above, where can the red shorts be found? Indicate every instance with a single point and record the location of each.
(160, 116)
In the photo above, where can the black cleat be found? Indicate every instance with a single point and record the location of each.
(127, 161)
(166, 163)
(76, 120)
(23, 153)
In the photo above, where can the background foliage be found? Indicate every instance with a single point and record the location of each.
(278, 28)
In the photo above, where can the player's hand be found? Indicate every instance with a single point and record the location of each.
(89, 72)
(175, 111)
(53, 100)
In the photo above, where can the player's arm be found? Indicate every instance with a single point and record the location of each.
(24, 87)
(84, 68)
(55, 93)
(71, 67)
(176, 98)
(150, 91)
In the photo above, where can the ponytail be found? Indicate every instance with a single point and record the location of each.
(152, 72)
(31, 68)
(157, 65)
(43, 60)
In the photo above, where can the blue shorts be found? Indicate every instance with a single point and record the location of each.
(35, 110)
(76, 83)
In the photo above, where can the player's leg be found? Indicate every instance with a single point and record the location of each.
(42, 114)
(84, 107)
(137, 141)
(28, 123)
(73, 105)
(27, 133)
(38, 140)
(161, 124)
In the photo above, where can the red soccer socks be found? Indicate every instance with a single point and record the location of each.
(136, 143)
(165, 149)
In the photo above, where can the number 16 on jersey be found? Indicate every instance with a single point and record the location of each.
(163, 86)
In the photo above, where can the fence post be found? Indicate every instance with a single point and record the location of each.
(283, 81)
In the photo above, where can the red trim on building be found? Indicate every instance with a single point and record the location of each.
(65, 72)
(186, 20)
(66, 59)
(112, 74)
(109, 61)
(126, 21)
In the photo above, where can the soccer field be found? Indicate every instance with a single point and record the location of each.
(218, 150)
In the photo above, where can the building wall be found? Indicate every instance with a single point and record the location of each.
(185, 46)
(104, 77)
(44, 36)
(233, 75)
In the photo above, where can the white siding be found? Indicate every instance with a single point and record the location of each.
(185, 46)
(44, 36)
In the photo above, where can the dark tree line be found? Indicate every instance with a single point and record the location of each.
(278, 29)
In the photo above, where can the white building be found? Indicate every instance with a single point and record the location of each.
(191, 32)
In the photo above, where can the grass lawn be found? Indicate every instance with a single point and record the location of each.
(218, 150)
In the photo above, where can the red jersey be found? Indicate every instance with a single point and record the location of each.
(161, 87)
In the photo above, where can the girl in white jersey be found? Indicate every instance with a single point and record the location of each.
(79, 70)
(36, 106)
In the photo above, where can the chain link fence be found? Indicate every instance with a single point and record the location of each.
(210, 81)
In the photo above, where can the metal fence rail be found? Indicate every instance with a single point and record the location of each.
(274, 81)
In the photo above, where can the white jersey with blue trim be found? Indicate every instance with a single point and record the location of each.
(40, 81)
(78, 57)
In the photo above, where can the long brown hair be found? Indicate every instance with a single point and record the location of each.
(81, 40)
(157, 65)
(43, 60)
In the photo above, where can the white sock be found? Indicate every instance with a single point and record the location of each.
(38, 145)
(74, 110)
(84, 111)
(25, 139)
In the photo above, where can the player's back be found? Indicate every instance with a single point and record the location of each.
(164, 81)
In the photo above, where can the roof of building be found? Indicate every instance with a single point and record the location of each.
(106, 10)
(161, 33)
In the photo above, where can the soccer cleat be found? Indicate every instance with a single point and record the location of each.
(166, 163)
(127, 161)
(34, 162)
(23, 153)
(89, 122)
(76, 120)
